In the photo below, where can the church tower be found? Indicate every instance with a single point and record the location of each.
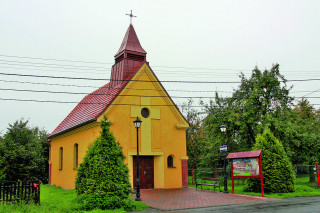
(129, 56)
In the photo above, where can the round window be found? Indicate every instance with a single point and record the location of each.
(145, 112)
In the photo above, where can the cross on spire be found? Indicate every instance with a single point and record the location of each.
(131, 16)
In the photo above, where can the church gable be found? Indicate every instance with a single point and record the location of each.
(162, 131)
(145, 91)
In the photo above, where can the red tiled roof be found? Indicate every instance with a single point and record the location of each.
(131, 42)
(91, 106)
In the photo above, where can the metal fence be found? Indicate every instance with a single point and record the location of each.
(305, 174)
(17, 191)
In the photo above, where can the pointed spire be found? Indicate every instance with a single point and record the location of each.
(129, 56)
(131, 42)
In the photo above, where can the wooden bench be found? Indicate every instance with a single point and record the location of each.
(205, 182)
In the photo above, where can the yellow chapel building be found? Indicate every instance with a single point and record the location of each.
(133, 91)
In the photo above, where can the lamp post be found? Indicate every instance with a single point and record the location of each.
(137, 124)
(223, 129)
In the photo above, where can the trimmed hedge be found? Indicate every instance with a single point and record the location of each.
(278, 174)
(103, 179)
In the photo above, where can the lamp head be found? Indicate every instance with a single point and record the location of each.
(137, 123)
(223, 128)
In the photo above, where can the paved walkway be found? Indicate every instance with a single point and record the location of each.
(171, 199)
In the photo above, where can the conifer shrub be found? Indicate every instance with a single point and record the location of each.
(278, 174)
(103, 178)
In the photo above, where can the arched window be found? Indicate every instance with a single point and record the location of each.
(75, 156)
(60, 158)
(170, 161)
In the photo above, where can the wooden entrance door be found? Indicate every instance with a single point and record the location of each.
(145, 172)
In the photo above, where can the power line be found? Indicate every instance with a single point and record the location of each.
(50, 70)
(105, 72)
(99, 69)
(103, 79)
(51, 59)
(27, 63)
(67, 65)
(91, 62)
(94, 94)
(311, 92)
(61, 66)
(73, 85)
(108, 63)
(167, 81)
(174, 90)
(48, 84)
(85, 103)
(103, 94)
(104, 69)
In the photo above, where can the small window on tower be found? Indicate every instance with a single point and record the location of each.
(145, 113)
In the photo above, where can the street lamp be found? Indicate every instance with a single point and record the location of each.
(223, 129)
(137, 124)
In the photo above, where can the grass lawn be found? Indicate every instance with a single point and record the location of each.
(58, 200)
(303, 188)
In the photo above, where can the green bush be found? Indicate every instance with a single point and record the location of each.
(24, 152)
(94, 201)
(2, 169)
(103, 179)
(278, 175)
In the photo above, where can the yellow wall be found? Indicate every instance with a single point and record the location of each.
(66, 177)
(160, 135)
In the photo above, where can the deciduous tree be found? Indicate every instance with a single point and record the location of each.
(195, 135)
(263, 94)
(24, 153)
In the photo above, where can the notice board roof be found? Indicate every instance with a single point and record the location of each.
(249, 154)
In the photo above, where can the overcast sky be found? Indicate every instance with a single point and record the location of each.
(185, 40)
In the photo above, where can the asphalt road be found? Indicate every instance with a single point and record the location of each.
(299, 205)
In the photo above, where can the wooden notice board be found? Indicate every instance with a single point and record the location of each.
(246, 165)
